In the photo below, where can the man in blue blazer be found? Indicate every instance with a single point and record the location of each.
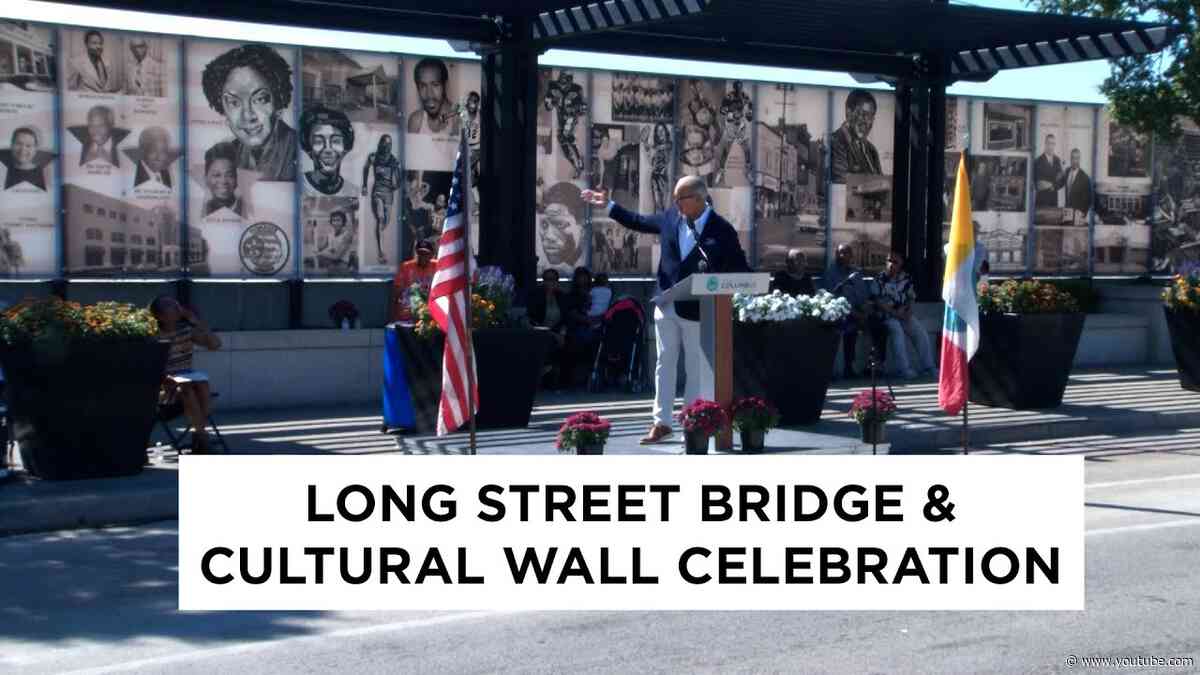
(693, 239)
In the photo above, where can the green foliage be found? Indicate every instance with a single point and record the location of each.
(1025, 297)
(1148, 92)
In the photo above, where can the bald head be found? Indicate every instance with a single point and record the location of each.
(690, 195)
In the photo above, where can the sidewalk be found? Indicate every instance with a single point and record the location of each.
(1112, 411)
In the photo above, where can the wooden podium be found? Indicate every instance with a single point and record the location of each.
(715, 293)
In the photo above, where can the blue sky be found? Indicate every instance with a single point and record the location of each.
(1074, 82)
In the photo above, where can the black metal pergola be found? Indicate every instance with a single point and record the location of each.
(919, 46)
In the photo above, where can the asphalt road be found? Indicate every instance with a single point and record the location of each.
(104, 601)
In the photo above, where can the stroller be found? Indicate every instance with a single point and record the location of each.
(619, 357)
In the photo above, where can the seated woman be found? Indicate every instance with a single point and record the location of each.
(183, 329)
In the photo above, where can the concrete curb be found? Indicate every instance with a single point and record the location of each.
(29, 505)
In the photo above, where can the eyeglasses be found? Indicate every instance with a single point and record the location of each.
(684, 198)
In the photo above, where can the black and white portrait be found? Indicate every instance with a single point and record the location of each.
(1128, 152)
(144, 67)
(619, 250)
(99, 137)
(221, 181)
(560, 231)
(25, 160)
(998, 183)
(326, 136)
(737, 116)
(331, 236)
(642, 98)
(251, 87)
(1007, 127)
(94, 61)
(153, 159)
(852, 148)
(437, 113)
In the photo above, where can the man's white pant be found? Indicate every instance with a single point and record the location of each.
(671, 334)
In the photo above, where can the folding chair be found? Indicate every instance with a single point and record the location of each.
(169, 412)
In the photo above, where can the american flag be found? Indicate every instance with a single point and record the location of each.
(448, 303)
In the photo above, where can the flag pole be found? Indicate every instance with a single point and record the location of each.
(966, 429)
(465, 152)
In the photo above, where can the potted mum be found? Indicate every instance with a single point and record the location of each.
(82, 386)
(783, 350)
(701, 419)
(753, 417)
(508, 356)
(1181, 305)
(872, 413)
(583, 433)
(1029, 332)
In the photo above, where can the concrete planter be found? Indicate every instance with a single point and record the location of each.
(1024, 360)
(1185, 343)
(87, 413)
(789, 363)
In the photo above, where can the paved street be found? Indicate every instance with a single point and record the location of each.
(100, 601)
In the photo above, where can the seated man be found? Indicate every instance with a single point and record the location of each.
(601, 298)
(183, 329)
(418, 270)
(794, 280)
(844, 279)
(896, 303)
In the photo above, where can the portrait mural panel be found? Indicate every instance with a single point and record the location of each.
(861, 159)
(633, 161)
(442, 97)
(1175, 223)
(1121, 241)
(29, 150)
(348, 133)
(1062, 188)
(790, 191)
(122, 153)
(561, 236)
(243, 158)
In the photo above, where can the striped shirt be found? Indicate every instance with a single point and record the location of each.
(179, 358)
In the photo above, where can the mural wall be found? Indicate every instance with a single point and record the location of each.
(126, 154)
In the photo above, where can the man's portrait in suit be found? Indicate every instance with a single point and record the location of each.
(93, 70)
(1078, 184)
(852, 149)
(99, 137)
(143, 72)
(153, 157)
(1048, 175)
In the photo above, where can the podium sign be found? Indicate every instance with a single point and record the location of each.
(728, 284)
(715, 293)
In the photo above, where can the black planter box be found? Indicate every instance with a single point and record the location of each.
(1024, 360)
(789, 363)
(1185, 342)
(509, 366)
(87, 413)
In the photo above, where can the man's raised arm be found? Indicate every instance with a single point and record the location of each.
(634, 221)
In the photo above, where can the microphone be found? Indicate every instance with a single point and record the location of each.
(853, 275)
(703, 265)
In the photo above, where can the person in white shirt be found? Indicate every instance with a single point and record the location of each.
(143, 73)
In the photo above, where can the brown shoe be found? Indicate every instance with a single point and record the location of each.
(656, 434)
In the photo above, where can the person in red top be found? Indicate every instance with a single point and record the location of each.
(418, 270)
